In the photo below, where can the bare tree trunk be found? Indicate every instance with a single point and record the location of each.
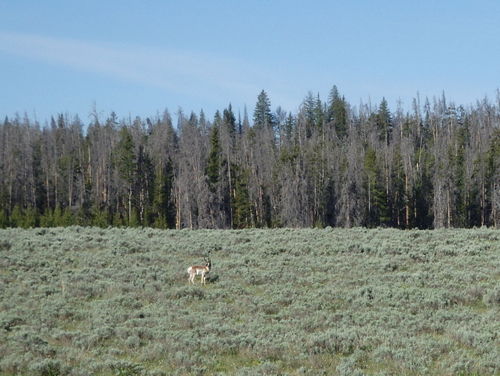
(448, 211)
(70, 184)
(483, 203)
(178, 211)
(230, 189)
(56, 201)
(10, 194)
(141, 205)
(407, 205)
(369, 196)
(496, 204)
(47, 188)
(129, 203)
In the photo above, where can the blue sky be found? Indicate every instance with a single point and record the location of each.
(140, 57)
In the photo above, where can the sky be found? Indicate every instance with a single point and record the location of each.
(138, 58)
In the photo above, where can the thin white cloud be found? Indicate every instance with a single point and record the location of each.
(200, 75)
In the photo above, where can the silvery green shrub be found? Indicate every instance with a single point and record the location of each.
(286, 301)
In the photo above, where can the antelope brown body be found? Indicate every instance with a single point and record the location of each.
(202, 270)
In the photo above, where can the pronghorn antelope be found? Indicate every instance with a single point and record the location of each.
(195, 270)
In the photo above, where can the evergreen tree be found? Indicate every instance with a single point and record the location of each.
(67, 218)
(422, 194)
(337, 113)
(384, 122)
(47, 218)
(134, 220)
(309, 114)
(319, 113)
(40, 191)
(57, 216)
(100, 218)
(229, 120)
(4, 220)
(398, 200)
(378, 210)
(288, 128)
(30, 218)
(493, 178)
(213, 163)
(228, 145)
(457, 159)
(262, 116)
(144, 185)
(242, 217)
(245, 125)
(83, 217)
(163, 205)
(17, 217)
(125, 160)
(437, 166)
(116, 220)
(240, 124)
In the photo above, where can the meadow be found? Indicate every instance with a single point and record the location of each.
(91, 301)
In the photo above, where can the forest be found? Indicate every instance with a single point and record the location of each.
(431, 165)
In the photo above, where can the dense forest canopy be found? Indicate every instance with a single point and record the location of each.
(330, 164)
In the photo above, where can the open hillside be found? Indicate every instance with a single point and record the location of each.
(79, 301)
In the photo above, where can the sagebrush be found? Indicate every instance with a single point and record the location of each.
(79, 301)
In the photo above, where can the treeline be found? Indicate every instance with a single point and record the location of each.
(330, 164)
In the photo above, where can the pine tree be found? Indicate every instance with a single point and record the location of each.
(308, 114)
(229, 120)
(457, 159)
(213, 163)
(422, 194)
(4, 220)
(319, 113)
(144, 185)
(228, 144)
(40, 192)
(378, 212)
(337, 113)
(134, 220)
(47, 219)
(245, 125)
(289, 127)
(163, 205)
(384, 122)
(262, 116)
(126, 164)
(67, 218)
(57, 216)
(493, 179)
(17, 217)
(117, 220)
(242, 217)
(83, 217)
(398, 200)
(30, 218)
(100, 218)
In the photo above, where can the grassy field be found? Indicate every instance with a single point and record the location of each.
(80, 301)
